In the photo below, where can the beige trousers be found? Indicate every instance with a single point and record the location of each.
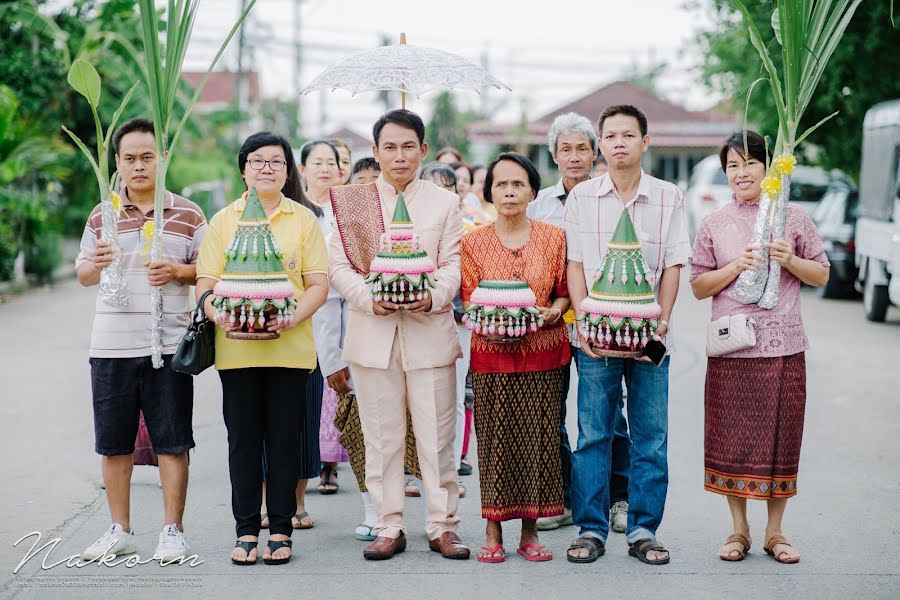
(430, 394)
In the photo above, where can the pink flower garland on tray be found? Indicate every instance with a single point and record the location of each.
(504, 308)
(401, 270)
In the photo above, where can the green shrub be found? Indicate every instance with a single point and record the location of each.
(44, 255)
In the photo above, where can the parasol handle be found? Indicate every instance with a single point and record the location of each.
(403, 94)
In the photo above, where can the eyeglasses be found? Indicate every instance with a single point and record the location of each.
(257, 164)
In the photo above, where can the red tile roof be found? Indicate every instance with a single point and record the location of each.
(668, 123)
(352, 139)
(221, 86)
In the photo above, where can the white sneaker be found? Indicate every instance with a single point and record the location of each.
(116, 541)
(549, 523)
(172, 545)
(411, 490)
(618, 516)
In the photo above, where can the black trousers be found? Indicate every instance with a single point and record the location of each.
(263, 403)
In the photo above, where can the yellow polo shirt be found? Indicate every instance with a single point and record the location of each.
(300, 239)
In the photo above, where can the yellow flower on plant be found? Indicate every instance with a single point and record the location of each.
(148, 230)
(785, 163)
(117, 203)
(771, 185)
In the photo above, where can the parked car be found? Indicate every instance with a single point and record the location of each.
(835, 217)
(708, 189)
(878, 228)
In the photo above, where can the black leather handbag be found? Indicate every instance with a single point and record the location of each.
(197, 350)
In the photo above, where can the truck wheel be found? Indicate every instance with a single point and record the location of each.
(875, 299)
(834, 288)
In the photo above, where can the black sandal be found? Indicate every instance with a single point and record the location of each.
(593, 545)
(327, 488)
(640, 548)
(277, 545)
(246, 547)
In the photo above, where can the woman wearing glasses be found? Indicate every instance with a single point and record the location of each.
(261, 379)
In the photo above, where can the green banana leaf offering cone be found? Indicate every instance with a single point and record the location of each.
(254, 286)
(620, 314)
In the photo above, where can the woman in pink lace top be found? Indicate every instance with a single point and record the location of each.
(755, 398)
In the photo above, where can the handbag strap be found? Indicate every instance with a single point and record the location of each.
(199, 315)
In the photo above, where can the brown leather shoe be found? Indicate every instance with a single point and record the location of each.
(384, 548)
(450, 546)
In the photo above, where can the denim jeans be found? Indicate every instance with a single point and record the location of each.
(621, 454)
(599, 395)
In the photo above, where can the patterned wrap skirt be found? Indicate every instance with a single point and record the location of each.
(330, 448)
(517, 427)
(346, 420)
(754, 412)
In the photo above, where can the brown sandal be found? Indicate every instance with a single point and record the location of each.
(770, 550)
(736, 538)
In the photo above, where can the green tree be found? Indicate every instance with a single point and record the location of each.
(30, 164)
(861, 73)
(448, 125)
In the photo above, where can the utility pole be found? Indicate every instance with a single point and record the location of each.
(298, 64)
(241, 82)
(485, 90)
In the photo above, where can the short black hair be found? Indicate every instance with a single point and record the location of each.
(440, 171)
(292, 188)
(449, 150)
(308, 147)
(138, 124)
(534, 178)
(365, 163)
(623, 109)
(756, 147)
(456, 166)
(403, 118)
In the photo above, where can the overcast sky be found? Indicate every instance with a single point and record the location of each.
(548, 52)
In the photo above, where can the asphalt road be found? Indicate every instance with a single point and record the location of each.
(844, 521)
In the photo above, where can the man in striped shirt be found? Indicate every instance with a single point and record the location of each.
(592, 212)
(123, 380)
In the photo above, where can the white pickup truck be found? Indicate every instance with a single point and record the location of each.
(878, 226)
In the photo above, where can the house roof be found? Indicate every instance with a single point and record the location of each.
(221, 87)
(352, 138)
(668, 123)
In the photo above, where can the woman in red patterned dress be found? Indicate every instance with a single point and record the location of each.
(517, 385)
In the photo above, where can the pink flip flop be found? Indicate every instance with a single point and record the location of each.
(523, 552)
(492, 550)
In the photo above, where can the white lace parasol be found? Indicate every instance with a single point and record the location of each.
(403, 68)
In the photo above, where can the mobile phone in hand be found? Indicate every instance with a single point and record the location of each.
(655, 350)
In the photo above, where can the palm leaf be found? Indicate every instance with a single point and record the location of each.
(118, 114)
(83, 149)
(832, 35)
(759, 44)
(814, 127)
(212, 65)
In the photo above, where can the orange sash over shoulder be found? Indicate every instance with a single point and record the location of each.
(357, 214)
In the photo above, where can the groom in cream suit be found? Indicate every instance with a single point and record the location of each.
(402, 356)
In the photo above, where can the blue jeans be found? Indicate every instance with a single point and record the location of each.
(599, 395)
(621, 452)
